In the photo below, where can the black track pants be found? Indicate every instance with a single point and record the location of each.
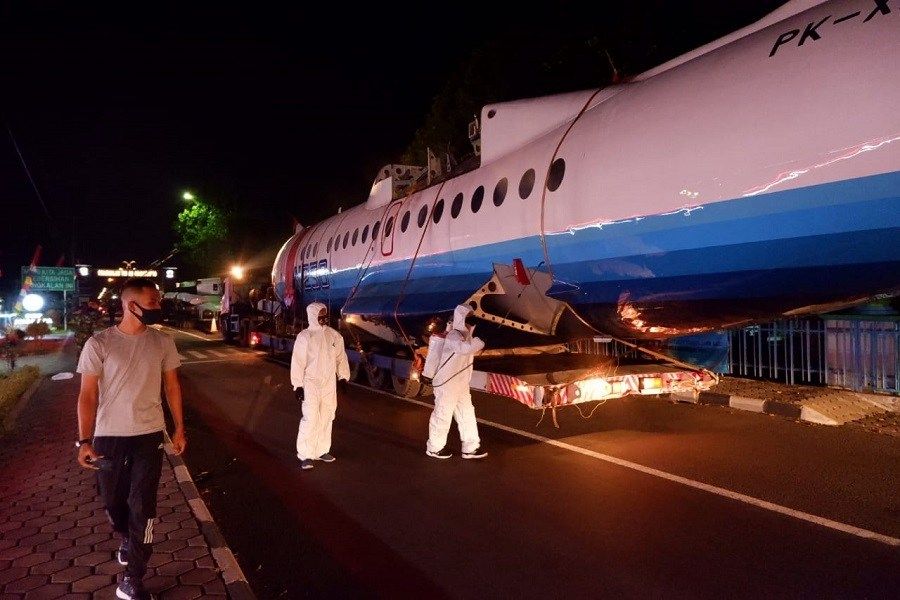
(128, 491)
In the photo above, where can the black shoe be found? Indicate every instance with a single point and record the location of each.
(122, 553)
(442, 454)
(132, 589)
(478, 452)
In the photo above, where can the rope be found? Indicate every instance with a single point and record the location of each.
(547, 176)
(591, 414)
(547, 252)
(412, 263)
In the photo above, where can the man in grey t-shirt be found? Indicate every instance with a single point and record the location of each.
(121, 425)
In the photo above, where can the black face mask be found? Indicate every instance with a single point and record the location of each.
(470, 321)
(148, 316)
(323, 320)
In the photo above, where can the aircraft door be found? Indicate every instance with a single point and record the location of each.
(388, 228)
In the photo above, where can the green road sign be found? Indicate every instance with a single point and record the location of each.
(49, 279)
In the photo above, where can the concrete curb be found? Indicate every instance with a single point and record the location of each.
(769, 407)
(235, 581)
(10, 420)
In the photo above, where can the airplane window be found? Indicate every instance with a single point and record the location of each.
(388, 227)
(526, 184)
(355, 235)
(456, 206)
(555, 176)
(346, 239)
(375, 229)
(404, 223)
(365, 235)
(438, 211)
(423, 215)
(477, 199)
(500, 192)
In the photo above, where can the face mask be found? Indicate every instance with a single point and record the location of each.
(323, 320)
(148, 316)
(470, 321)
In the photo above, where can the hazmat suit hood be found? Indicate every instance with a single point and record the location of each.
(312, 314)
(459, 317)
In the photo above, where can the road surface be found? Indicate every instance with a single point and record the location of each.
(644, 499)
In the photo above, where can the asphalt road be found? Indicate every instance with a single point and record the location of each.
(645, 499)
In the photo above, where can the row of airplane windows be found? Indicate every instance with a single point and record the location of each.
(526, 186)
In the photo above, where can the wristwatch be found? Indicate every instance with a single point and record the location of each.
(81, 443)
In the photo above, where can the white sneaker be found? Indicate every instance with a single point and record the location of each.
(476, 453)
(442, 454)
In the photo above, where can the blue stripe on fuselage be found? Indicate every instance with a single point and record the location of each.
(678, 255)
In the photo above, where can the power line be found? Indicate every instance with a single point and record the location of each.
(27, 172)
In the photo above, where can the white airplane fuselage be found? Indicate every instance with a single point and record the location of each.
(754, 178)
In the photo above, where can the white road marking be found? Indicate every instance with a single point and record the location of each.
(213, 360)
(218, 353)
(712, 489)
(194, 335)
(196, 354)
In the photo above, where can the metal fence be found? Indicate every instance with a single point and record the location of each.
(792, 351)
(862, 354)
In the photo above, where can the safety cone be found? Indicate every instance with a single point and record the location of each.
(214, 328)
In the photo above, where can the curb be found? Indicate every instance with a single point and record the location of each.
(10, 421)
(768, 407)
(235, 581)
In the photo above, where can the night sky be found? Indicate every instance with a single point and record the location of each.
(117, 108)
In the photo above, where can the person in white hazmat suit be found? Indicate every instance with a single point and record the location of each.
(452, 397)
(318, 361)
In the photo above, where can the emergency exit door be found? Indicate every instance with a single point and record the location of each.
(388, 228)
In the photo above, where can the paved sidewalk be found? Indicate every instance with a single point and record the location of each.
(55, 540)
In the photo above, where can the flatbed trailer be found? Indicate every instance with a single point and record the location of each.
(536, 379)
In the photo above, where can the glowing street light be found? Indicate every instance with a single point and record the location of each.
(187, 196)
(83, 271)
(32, 302)
(237, 271)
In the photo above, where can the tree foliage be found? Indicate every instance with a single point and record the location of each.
(202, 230)
(37, 330)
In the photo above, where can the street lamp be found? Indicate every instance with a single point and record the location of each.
(237, 271)
(32, 302)
(187, 196)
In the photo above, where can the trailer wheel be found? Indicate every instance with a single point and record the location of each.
(408, 388)
(377, 377)
(404, 386)
(227, 334)
(356, 372)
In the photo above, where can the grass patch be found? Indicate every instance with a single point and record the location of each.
(13, 385)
